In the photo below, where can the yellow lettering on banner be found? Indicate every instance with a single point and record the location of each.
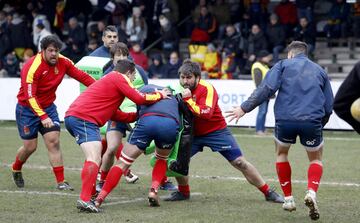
(36, 107)
(34, 66)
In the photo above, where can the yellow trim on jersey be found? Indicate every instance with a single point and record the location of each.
(152, 97)
(127, 80)
(210, 93)
(193, 105)
(36, 107)
(34, 66)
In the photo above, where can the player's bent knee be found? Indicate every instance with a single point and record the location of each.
(240, 163)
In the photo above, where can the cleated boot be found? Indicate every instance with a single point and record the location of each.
(311, 203)
(18, 179)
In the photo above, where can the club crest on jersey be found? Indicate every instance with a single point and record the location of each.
(26, 130)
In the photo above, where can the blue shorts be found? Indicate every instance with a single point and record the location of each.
(310, 133)
(162, 130)
(29, 124)
(221, 141)
(82, 130)
(117, 126)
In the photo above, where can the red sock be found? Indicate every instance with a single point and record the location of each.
(158, 173)
(17, 165)
(103, 175)
(184, 189)
(113, 179)
(118, 151)
(284, 174)
(314, 175)
(104, 146)
(59, 173)
(264, 189)
(88, 178)
(164, 180)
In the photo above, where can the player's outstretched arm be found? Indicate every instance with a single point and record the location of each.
(236, 113)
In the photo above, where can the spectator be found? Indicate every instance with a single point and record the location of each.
(234, 43)
(4, 43)
(228, 64)
(222, 15)
(157, 68)
(337, 20)
(276, 36)
(96, 31)
(286, 11)
(19, 34)
(356, 19)
(212, 63)
(256, 42)
(11, 65)
(139, 57)
(257, 11)
(3, 21)
(170, 36)
(93, 45)
(77, 36)
(40, 32)
(27, 55)
(207, 22)
(39, 18)
(305, 32)
(305, 8)
(136, 27)
(172, 67)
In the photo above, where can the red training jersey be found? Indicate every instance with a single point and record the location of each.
(100, 102)
(204, 105)
(39, 82)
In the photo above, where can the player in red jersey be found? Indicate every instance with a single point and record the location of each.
(36, 111)
(93, 108)
(210, 130)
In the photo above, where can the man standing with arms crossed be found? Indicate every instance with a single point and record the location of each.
(210, 130)
(36, 111)
(303, 106)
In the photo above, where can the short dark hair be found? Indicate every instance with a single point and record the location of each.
(40, 26)
(124, 66)
(109, 29)
(50, 40)
(297, 47)
(189, 67)
(119, 47)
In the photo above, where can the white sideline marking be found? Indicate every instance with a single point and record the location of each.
(140, 199)
(272, 136)
(46, 193)
(240, 135)
(37, 193)
(345, 184)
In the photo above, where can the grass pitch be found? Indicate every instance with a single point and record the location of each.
(219, 192)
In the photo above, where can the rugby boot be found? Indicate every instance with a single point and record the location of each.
(177, 196)
(18, 179)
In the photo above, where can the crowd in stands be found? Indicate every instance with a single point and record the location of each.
(225, 35)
